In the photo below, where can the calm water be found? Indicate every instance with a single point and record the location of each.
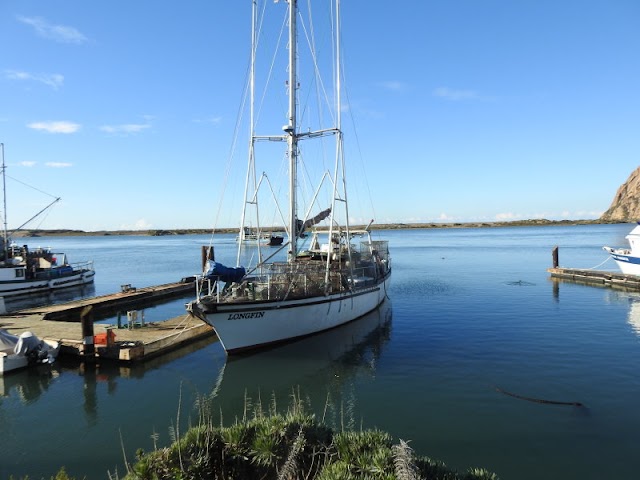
(470, 310)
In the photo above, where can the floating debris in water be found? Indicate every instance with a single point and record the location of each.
(539, 400)
(521, 283)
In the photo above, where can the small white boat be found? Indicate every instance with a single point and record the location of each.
(22, 351)
(628, 259)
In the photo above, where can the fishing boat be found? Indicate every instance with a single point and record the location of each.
(628, 259)
(248, 234)
(26, 271)
(328, 272)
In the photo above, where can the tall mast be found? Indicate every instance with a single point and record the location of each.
(339, 115)
(251, 169)
(292, 130)
(4, 206)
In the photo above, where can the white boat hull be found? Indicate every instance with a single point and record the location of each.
(26, 287)
(628, 264)
(11, 361)
(242, 327)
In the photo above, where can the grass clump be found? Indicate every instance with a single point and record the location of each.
(291, 445)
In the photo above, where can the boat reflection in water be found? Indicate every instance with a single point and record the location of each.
(53, 297)
(633, 299)
(321, 369)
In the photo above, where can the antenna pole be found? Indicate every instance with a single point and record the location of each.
(292, 131)
(4, 206)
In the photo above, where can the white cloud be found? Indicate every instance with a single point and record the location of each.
(505, 217)
(212, 120)
(140, 224)
(28, 163)
(455, 95)
(58, 33)
(124, 129)
(58, 164)
(55, 127)
(53, 80)
(393, 85)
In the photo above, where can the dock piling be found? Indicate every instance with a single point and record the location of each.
(554, 255)
(86, 319)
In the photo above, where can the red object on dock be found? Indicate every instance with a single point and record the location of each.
(108, 338)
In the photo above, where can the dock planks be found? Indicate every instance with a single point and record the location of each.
(107, 305)
(62, 323)
(597, 277)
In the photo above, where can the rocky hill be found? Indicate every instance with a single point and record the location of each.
(626, 204)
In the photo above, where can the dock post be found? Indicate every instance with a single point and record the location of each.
(207, 254)
(86, 319)
(554, 255)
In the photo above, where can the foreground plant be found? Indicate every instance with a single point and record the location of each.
(270, 445)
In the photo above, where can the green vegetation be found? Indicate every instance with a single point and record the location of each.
(294, 445)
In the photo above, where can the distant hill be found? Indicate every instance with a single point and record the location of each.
(626, 204)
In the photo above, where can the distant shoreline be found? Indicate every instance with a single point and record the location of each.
(390, 226)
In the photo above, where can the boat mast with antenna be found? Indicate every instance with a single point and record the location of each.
(4, 206)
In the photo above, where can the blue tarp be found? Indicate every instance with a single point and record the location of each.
(217, 271)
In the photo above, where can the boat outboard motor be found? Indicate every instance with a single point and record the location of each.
(32, 347)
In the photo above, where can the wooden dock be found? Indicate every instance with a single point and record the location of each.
(597, 277)
(103, 306)
(131, 344)
(72, 324)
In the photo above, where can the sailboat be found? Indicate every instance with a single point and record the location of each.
(28, 271)
(328, 272)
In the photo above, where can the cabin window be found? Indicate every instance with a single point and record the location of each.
(20, 273)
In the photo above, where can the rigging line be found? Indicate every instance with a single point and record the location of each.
(357, 141)
(320, 89)
(283, 29)
(182, 322)
(310, 37)
(40, 212)
(32, 187)
(232, 150)
(593, 268)
(236, 131)
(44, 217)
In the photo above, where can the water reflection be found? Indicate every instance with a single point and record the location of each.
(634, 314)
(21, 302)
(28, 384)
(633, 300)
(323, 368)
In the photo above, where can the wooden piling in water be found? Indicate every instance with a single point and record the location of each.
(86, 319)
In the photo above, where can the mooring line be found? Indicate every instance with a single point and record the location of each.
(598, 266)
(539, 400)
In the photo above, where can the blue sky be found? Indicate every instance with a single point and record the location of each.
(466, 110)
